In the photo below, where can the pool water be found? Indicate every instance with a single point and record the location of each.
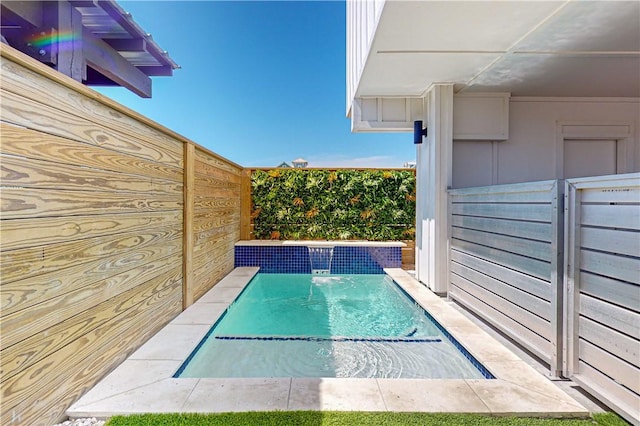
(299, 325)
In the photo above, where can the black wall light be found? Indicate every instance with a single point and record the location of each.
(418, 132)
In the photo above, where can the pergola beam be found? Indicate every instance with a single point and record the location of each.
(127, 44)
(108, 62)
(80, 41)
(28, 11)
(68, 22)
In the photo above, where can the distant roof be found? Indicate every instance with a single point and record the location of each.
(299, 160)
(93, 41)
(284, 164)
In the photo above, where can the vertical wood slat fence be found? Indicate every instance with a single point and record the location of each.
(602, 283)
(94, 259)
(505, 261)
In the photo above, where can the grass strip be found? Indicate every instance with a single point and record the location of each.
(334, 418)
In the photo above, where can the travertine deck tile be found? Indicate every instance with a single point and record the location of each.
(201, 313)
(250, 394)
(174, 341)
(453, 396)
(335, 394)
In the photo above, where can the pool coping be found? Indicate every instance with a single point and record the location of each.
(144, 382)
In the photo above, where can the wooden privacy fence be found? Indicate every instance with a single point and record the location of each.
(110, 225)
(505, 261)
(602, 257)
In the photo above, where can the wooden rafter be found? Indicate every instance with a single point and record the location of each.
(74, 48)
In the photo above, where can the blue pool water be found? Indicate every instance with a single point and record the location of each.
(300, 325)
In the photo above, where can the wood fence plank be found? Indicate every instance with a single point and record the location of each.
(217, 162)
(22, 294)
(226, 173)
(31, 203)
(16, 172)
(38, 346)
(20, 324)
(25, 263)
(203, 203)
(24, 112)
(36, 145)
(23, 233)
(38, 89)
(37, 386)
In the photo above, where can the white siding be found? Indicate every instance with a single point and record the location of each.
(362, 20)
(533, 150)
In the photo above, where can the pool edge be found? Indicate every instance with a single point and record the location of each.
(120, 393)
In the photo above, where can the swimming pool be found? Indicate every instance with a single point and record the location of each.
(301, 325)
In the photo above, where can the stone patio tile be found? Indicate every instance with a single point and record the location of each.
(453, 396)
(175, 342)
(505, 398)
(450, 318)
(221, 295)
(482, 346)
(244, 271)
(522, 374)
(129, 375)
(201, 313)
(335, 394)
(250, 394)
(166, 396)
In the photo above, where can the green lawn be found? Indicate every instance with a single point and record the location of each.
(333, 418)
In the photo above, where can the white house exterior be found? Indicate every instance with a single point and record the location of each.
(511, 92)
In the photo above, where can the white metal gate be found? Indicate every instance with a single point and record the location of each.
(602, 284)
(506, 261)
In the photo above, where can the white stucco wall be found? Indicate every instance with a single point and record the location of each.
(531, 152)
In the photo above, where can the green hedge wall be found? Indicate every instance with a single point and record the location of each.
(299, 204)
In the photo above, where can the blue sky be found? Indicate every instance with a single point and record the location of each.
(261, 82)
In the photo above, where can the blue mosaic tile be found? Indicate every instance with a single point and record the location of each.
(331, 339)
(274, 259)
(295, 259)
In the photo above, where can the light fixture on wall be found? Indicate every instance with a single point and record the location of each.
(418, 132)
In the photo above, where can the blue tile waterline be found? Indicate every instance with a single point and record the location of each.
(331, 339)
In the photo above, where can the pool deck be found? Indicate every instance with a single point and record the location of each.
(144, 383)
